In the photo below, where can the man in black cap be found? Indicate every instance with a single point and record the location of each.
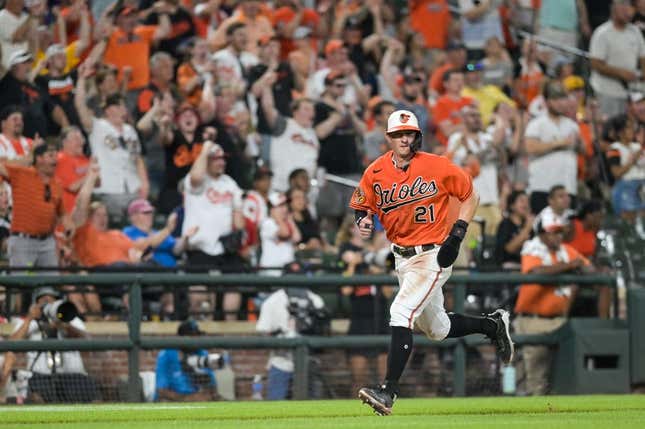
(185, 375)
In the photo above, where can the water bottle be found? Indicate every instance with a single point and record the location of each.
(257, 387)
(508, 380)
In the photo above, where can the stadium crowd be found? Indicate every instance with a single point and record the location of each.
(225, 134)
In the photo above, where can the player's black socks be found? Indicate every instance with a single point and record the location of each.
(400, 349)
(461, 325)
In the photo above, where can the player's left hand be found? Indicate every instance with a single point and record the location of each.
(450, 248)
(366, 226)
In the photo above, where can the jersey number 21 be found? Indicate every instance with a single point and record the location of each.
(422, 214)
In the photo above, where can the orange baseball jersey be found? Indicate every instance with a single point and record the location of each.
(412, 205)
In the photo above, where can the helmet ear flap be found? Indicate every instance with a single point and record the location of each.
(416, 144)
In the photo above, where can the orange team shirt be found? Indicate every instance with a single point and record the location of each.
(543, 300)
(98, 248)
(134, 52)
(448, 108)
(69, 170)
(583, 241)
(185, 73)
(32, 213)
(413, 205)
(586, 135)
(530, 86)
(285, 15)
(432, 19)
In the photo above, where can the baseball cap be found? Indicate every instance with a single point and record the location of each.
(550, 224)
(189, 327)
(332, 76)
(401, 120)
(636, 97)
(276, 199)
(20, 56)
(571, 83)
(262, 172)
(332, 46)
(44, 291)
(473, 67)
(185, 106)
(140, 205)
(54, 49)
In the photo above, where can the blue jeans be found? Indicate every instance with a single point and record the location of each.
(278, 384)
(626, 196)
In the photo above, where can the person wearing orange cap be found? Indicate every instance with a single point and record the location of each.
(544, 308)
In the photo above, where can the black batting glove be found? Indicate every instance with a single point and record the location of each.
(450, 248)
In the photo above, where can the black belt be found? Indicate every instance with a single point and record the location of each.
(35, 237)
(408, 252)
(539, 316)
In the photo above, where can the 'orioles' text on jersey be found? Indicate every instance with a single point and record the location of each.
(412, 204)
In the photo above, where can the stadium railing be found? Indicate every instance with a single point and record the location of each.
(301, 346)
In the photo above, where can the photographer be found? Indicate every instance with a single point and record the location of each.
(288, 313)
(186, 375)
(56, 376)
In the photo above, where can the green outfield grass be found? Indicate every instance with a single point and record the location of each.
(570, 412)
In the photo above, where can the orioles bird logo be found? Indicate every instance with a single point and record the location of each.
(404, 118)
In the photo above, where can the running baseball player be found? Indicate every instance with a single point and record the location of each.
(409, 191)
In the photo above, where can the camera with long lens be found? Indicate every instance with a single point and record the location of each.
(61, 310)
(212, 361)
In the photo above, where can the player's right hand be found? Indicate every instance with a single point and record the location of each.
(366, 226)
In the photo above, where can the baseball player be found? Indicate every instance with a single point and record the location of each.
(409, 191)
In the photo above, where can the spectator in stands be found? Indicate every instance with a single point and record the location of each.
(558, 208)
(294, 141)
(232, 63)
(17, 28)
(71, 165)
(7, 362)
(476, 146)
(116, 146)
(585, 226)
(130, 43)
(279, 235)
(14, 145)
(627, 163)
(292, 20)
(37, 210)
(338, 127)
(374, 143)
(16, 89)
(515, 229)
(57, 376)
(544, 308)
(211, 194)
(256, 210)
(254, 16)
(552, 141)
(181, 21)
(455, 60)
(337, 61)
(195, 71)
(308, 226)
(431, 18)
(480, 21)
(487, 97)
(179, 381)
(561, 23)
(530, 78)
(162, 74)
(446, 112)
(498, 66)
(106, 84)
(617, 51)
(281, 316)
(280, 77)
